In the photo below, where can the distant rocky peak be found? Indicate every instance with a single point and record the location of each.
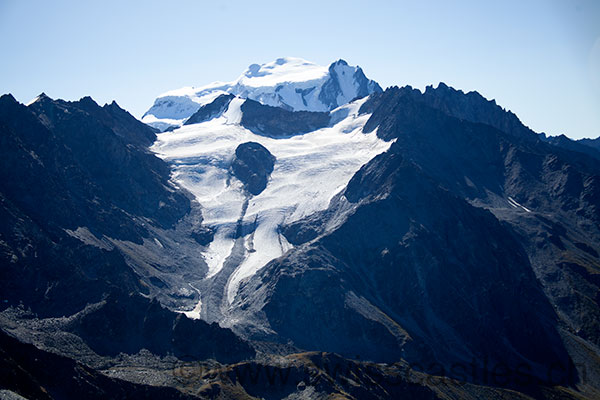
(41, 97)
(345, 84)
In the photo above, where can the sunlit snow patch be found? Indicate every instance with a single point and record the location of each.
(513, 203)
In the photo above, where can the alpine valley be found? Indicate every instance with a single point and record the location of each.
(298, 233)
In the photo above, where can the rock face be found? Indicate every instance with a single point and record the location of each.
(278, 122)
(253, 165)
(264, 120)
(289, 83)
(345, 83)
(133, 324)
(211, 110)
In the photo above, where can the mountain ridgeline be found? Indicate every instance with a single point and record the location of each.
(297, 233)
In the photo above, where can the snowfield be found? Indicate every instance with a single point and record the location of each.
(309, 170)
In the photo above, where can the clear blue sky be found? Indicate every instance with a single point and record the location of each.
(539, 58)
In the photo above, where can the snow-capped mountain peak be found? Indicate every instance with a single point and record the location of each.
(280, 71)
(290, 83)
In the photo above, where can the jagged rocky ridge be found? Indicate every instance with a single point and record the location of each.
(262, 119)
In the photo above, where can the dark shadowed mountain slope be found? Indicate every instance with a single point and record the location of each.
(128, 324)
(71, 175)
(550, 196)
(37, 374)
(46, 189)
(462, 242)
(85, 172)
(119, 121)
(480, 162)
(62, 168)
(275, 121)
(595, 143)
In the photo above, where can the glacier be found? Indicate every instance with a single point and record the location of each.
(310, 169)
